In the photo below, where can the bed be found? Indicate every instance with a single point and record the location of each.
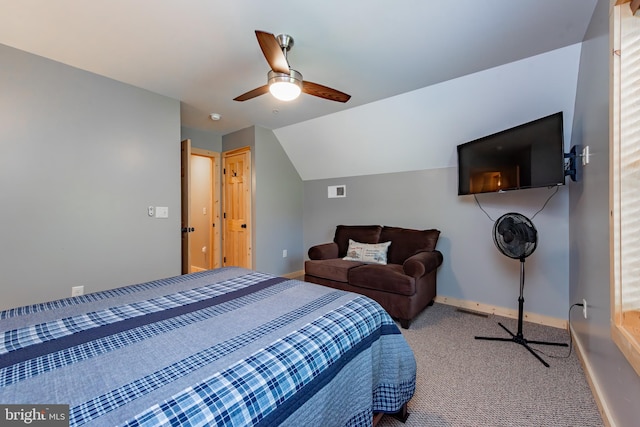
(229, 346)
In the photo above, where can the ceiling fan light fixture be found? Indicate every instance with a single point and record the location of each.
(285, 87)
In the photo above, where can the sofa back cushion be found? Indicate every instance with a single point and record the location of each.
(406, 242)
(359, 233)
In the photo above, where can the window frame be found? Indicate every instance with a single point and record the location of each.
(627, 341)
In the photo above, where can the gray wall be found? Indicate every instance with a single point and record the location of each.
(202, 139)
(81, 159)
(277, 200)
(473, 269)
(590, 261)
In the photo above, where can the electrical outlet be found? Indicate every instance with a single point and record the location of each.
(77, 290)
(284, 253)
(585, 156)
(584, 308)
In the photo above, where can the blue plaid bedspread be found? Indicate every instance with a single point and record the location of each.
(228, 347)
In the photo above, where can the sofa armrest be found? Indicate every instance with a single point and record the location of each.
(422, 263)
(323, 251)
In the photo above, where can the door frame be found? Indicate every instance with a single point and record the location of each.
(185, 179)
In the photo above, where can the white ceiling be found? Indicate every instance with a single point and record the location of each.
(204, 52)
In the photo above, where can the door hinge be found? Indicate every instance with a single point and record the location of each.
(224, 215)
(224, 171)
(224, 259)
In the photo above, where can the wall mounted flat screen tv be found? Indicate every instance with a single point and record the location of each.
(527, 156)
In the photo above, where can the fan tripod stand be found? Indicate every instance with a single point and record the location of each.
(518, 337)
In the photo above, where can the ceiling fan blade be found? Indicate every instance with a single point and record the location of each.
(253, 93)
(324, 92)
(272, 52)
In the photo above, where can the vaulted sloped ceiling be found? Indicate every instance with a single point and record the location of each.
(421, 129)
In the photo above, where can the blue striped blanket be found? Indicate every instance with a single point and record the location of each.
(222, 347)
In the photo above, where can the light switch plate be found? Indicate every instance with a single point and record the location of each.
(162, 212)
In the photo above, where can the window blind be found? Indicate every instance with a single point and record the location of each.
(627, 164)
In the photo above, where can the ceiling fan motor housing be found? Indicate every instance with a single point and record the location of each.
(293, 77)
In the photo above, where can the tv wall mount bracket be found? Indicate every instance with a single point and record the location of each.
(573, 167)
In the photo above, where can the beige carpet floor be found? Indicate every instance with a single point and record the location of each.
(467, 382)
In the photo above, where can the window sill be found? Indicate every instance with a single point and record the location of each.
(627, 338)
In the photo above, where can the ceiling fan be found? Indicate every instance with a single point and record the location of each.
(284, 82)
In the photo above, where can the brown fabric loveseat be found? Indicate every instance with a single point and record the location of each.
(404, 286)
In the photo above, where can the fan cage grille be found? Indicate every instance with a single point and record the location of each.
(515, 235)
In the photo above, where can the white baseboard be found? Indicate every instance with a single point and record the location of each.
(502, 311)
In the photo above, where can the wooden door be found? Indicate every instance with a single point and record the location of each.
(237, 208)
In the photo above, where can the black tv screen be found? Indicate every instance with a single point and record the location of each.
(527, 156)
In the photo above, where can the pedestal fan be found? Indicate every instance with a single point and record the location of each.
(516, 237)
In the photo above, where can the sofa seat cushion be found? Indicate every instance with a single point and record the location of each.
(332, 269)
(387, 278)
